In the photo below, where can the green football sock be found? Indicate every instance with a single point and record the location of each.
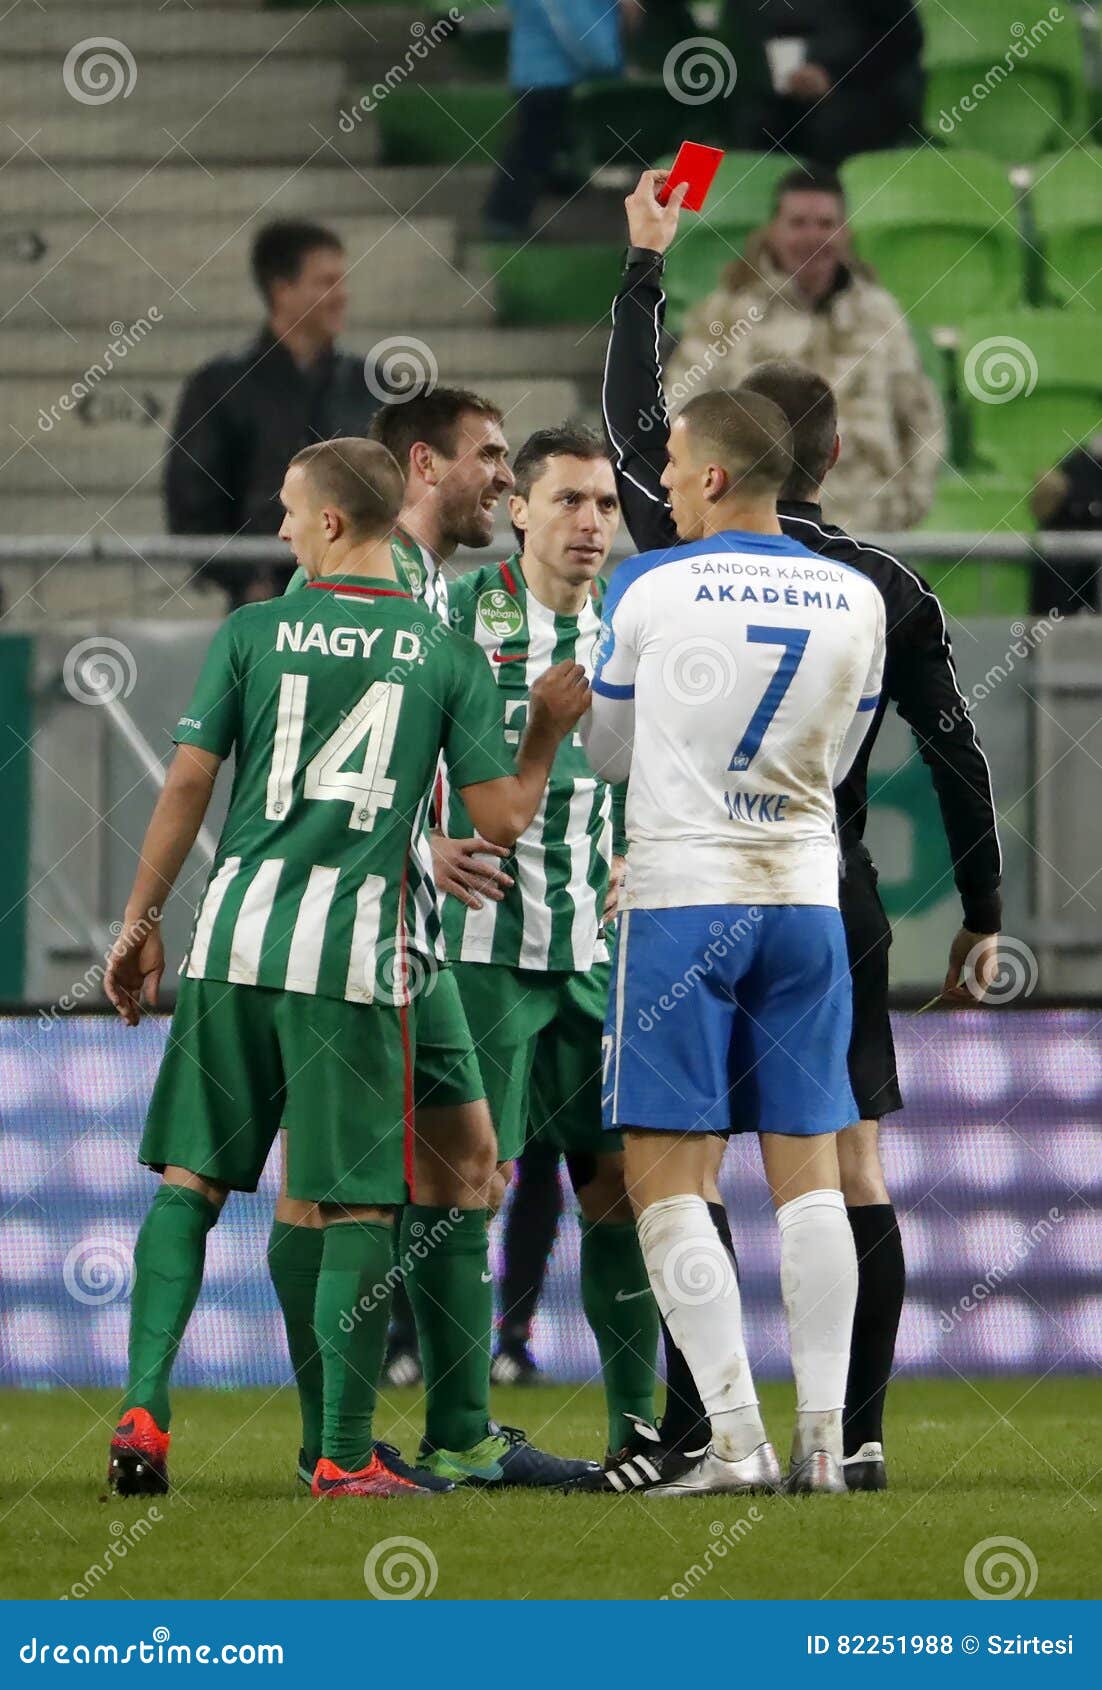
(294, 1262)
(350, 1318)
(447, 1276)
(619, 1306)
(168, 1272)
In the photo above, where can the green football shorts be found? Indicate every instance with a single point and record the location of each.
(445, 1066)
(538, 1039)
(243, 1061)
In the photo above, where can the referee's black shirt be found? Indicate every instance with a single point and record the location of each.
(919, 674)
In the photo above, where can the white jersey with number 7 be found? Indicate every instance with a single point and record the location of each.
(736, 679)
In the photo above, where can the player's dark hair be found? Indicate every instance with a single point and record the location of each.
(432, 416)
(569, 440)
(808, 179)
(809, 406)
(360, 478)
(749, 435)
(280, 249)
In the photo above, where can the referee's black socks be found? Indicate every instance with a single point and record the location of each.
(685, 1422)
(881, 1282)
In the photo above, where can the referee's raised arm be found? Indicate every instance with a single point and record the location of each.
(632, 400)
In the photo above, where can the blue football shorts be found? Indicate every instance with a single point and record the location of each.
(730, 1018)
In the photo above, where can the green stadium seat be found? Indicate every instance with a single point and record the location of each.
(1032, 389)
(978, 504)
(630, 119)
(541, 283)
(1066, 200)
(1020, 73)
(696, 262)
(940, 230)
(741, 199)
(443, 124)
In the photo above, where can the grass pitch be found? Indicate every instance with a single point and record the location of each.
(998, 1458)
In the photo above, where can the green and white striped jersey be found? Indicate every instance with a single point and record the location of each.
(421, 575)
(550, 918)
(337, 704)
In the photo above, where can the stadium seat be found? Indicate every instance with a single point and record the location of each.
(1066, 200)
(443, 124)
(541, 283)
(940, 230)
(971, 586)
(696, 261)
(1032, 390)
(625, 120)
(1021, 73)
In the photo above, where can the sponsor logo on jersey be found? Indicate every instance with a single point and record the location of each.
(499, 613)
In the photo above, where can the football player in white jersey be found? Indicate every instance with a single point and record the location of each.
(736, 679)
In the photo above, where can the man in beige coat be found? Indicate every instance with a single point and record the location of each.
(799, 293)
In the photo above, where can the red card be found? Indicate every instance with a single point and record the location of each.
(696, 165)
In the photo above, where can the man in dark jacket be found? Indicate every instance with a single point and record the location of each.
(920, 680)
(243, 416)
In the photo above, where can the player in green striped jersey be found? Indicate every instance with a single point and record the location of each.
(533, 968)
(451, 447)
(337, 711)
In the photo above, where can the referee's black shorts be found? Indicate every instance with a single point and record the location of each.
(868, 935)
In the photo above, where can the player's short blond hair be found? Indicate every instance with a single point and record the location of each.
(359, 478)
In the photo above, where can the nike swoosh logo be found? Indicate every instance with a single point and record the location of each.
(630, 1296)
(487, 1279)
(513, 657)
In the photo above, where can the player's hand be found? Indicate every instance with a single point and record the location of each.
(134, 969)
(559, 699)
(809, 82)
(461, 868)
(650, 224)
(980, 953)
(615, 882)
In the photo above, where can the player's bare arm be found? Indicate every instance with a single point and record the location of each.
(502, 809)
(464, 868)
(137, 958)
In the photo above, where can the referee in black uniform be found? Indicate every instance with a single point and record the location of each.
(920, 679)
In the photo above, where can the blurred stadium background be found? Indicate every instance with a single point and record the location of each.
(128, 208)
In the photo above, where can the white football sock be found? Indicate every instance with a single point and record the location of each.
(819, 1286)
(696, 1290)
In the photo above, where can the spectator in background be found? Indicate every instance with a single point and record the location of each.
(554, 45)
(837, 79)
(244, 415)
(1065, 500)
(799, 293)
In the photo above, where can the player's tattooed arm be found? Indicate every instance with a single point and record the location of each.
(464, 868)
(137, 958)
